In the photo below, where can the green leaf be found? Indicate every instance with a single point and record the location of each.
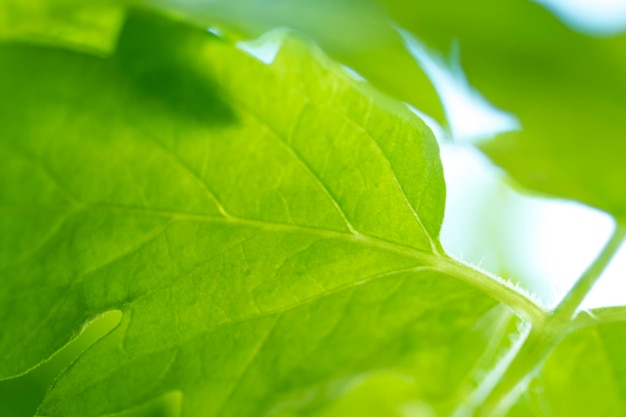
(388, 392)
(265, 230)
(566, 89)
(92, 25)
(585, 375)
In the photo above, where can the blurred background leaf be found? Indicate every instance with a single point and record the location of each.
(567, 89)
(92, 25)
(355, 32)
(584, 376)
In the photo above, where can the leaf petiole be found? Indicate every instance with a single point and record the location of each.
(541, 340)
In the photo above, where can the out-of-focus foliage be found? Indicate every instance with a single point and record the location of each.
(92, 25)
(584, 376)
(567, 89)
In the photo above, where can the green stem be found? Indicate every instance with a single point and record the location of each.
(543, 338)
(566, 310)
(535, 349)
(497, 288)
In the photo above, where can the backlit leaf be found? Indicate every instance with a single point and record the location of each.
(267, 231)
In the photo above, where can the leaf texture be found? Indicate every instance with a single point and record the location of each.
(265, 230)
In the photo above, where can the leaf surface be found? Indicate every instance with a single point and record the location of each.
(265, 230)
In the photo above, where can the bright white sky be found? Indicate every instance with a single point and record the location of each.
(601, 17)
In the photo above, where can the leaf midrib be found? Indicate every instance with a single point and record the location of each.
(498, 289)
(240, 104)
